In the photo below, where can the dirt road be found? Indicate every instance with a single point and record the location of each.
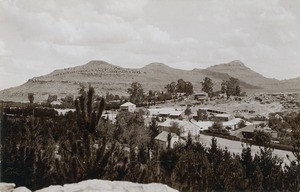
(236, 147)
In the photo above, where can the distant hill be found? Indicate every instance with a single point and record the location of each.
(106, 77)
(238, 70)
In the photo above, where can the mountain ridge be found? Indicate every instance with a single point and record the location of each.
(106, 77)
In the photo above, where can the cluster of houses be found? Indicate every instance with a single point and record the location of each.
(287, 100)
(170, 117)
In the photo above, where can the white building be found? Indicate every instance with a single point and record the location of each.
(128, 106)
(162, 140)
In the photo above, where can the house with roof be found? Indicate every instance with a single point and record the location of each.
(201, 96)
(248, 131)
(165, 112)
(186, 127)
(233, 123)
(128, 106)
(223, 117)
(162, 140)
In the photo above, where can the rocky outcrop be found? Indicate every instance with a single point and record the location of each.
(95, 185)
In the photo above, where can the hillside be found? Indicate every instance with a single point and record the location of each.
(238, 70)
(106, 77)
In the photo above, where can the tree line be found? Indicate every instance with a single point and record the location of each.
(176, 90)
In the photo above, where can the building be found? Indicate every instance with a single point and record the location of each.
(53, 103)
(234, 123)
(186, 127)
(201, 96)
(128, 106)
(223, 117)
(165, 112)
(248, 131)
(162, 140)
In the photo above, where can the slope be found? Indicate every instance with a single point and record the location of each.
(106, 77)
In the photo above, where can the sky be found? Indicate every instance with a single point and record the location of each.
(37, 37)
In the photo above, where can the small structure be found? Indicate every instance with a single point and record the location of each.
(201, 96)
(248, 131)
(185, 127)
(53, 103)
(128, 106)
(165, 112)
(162, 140)
(215, 111)
(223, 117)
(175, 114)
(233, 123)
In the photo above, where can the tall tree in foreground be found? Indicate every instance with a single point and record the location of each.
(88, 115)
(207, 86)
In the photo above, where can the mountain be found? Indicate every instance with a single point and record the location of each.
(238, 70)
(106, 77)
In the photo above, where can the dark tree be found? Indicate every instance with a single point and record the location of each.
(171, 88)
(201, 115)
(188, 111)
(88, 115)
(233, 87)
(223, 87)
(207, 86)
(189, 89)
(136, 92)
(261, 137)
(30, 97)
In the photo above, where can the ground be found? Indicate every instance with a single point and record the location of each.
(237, 147)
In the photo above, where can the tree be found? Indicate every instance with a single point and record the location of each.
(223, 87)
(51, 98)
(201, 115)
(88, 117)
(136, 92)
(189, 89)
(30, 97)
(188, 112)
(261, 137)
(131, 129)
(180, 87)
(154, 131)
(207, 86)
(184, 87)
(171, 88)
(233, 87)
(175, 128)
(68, 101)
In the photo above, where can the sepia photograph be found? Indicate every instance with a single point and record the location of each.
(149, 95)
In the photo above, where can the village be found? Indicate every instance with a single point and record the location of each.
(198, 115)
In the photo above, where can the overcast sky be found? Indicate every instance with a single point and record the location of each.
(37, 36)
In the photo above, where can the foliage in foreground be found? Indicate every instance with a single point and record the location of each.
(49, 150)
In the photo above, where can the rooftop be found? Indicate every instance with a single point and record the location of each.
(163, 136)
(127, 104)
